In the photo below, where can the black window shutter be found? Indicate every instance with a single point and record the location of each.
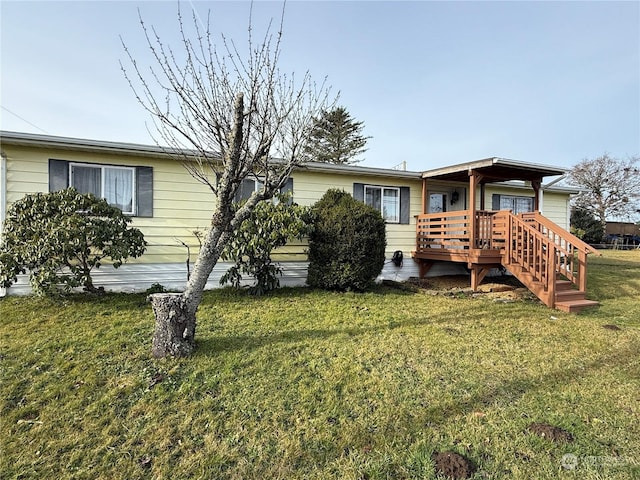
(495, 201)
(144, 191)
(404, 205)
(358, 191)
(58, 175)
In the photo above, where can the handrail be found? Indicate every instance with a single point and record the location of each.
(531, 249)
(560, 232)
(562, 244)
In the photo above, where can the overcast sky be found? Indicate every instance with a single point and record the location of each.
(434, 82)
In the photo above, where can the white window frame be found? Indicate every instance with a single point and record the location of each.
(513, 199)
(102, 180)
(382, 205)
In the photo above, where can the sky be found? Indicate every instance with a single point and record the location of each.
(435, 83)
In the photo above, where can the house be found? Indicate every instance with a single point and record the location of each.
(169, 206)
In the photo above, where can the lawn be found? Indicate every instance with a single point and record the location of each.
(318, 385)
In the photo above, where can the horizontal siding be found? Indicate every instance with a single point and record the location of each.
(309, 187)
(181, 204)
(555, 206)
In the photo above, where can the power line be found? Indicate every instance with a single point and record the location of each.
(24, 119)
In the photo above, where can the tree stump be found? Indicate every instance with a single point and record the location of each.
(175, 325)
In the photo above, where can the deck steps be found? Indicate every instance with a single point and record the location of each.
(567, 295)
(574, 306)
(548, 260)
(567, 298)
(563, 285)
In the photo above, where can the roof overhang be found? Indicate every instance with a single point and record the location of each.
(494, 170)
(360, 170)
(85, 145)
(134, 149)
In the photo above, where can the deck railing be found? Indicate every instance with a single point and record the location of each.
(534, 242)
(452, 230)
(526, 246)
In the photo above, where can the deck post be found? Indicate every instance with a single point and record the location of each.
(551, 278)
(582, 270)
(424, 195)
(472, 208)
(536, 190)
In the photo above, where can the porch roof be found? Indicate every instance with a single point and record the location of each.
(494, 169)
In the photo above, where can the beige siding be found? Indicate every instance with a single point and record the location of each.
(308, 188)
(180, 204)
(183, 205)
(555, 206)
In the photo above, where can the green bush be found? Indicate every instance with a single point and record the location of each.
(585, 226)
(59, 237)
(346, 247)
(271, 225)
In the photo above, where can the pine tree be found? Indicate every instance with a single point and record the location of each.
(336, 138)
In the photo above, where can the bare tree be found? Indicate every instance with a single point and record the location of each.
(610, 187)
(226, 118)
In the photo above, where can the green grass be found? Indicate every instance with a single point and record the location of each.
(310, 384)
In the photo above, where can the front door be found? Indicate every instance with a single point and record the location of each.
(437, 202)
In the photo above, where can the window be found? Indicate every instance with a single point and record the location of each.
(250, 185)
(115, 184)
(128, 188)
(511, 202)
(392, 202)
(384, 199)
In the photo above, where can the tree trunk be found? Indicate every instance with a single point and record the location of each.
(175, 325)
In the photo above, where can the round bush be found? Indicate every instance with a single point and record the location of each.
(59, 237)
(346, 246)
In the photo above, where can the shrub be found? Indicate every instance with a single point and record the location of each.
(346, 247)
(271, 225)
(60, 237)
(156, 288)
(585, 226)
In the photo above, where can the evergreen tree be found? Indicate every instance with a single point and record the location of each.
(336, 138)
(586, 226)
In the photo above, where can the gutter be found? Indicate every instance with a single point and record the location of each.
(3, 202)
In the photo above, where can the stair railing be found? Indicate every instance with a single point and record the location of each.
(571, 251)
(529, 248)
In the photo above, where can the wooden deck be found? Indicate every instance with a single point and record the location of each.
(550, 261)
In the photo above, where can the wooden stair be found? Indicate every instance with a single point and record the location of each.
(571, 300)
(548, 260)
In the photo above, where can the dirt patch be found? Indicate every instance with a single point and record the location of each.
(453, 465)
(612, 327)
(549, 432)
(504, 288)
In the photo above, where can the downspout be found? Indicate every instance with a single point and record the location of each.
(3, 202)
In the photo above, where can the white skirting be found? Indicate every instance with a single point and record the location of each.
(173, 276)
